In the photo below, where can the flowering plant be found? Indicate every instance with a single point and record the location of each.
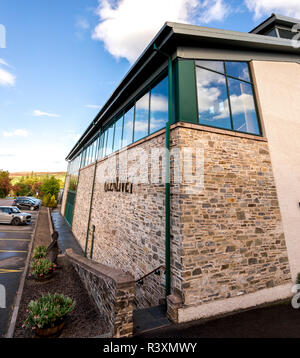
(48, 311)
(39, 252)
(42, 267)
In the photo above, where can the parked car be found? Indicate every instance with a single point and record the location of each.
(31, 198)
(13, 215)
(25, 203)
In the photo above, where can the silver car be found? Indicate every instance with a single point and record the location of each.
(12, 215)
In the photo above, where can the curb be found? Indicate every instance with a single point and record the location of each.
(51, 227)
(14, 316)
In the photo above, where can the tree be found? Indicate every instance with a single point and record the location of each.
(50, 186)
(5, 185)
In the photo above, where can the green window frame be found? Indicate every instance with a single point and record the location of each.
(222, 68)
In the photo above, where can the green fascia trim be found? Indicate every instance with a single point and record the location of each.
(185, 91)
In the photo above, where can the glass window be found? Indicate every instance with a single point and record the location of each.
(128, 127)
(238, 70)
(118, 134)
(88, 155)
(92, 152)
(110, 139)
(242, 106)
(159, 106)
(212, 99)
(100, 150)
(226, 100)
(212, 65)
(141, 121)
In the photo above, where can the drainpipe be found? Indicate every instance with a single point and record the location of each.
(91, 203)
(167, 181)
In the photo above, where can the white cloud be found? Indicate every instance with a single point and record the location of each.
(38, 113)
(267, 7)
(6, 78)
(93, 106)
(82, 23)
(214, 10)
(2, 62)
(16, 133)
(127, 26)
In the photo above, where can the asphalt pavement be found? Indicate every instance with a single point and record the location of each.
(14, 243)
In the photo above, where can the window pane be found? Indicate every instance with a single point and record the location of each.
(110, 138)
(212, 99)
(104, 143)
(141, 118)
(118, 134)
(272, 33)
(212, 65)
(238, 69)
(92, 152)
(242, 107)
(128, 127)
(88, 155)
(159, 106)
(100, 151)
(287, 34)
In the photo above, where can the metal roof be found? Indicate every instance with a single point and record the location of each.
(273, 20)
(171, 36)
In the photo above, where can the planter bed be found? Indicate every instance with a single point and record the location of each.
(85, 320)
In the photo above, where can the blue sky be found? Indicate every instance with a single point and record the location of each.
(61, 59)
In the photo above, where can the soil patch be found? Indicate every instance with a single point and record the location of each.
(85, 321)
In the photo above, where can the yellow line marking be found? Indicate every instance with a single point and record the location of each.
(14, 239)
(12, 251)
(9, 271)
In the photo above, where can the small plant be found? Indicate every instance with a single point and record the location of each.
(39, 252)
(48, 311)
(42, 267)
(52, 202)
(46, 199)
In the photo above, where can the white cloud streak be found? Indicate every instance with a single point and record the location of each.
(127, 26)
(214, 10)
(6, 78)
(267, 7)
(16, 133)
(38, 113)
(92, 106)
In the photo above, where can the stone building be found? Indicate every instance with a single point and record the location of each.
(218, 113)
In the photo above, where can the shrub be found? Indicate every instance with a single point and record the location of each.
(42, 267)
(47, 311)
(39, 252)
(52, 202)
(46, 199)
(50, 186)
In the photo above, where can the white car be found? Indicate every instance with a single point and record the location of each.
(13, 215)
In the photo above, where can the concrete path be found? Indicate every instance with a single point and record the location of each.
(14, 242)
(278, 321)
(66, 239)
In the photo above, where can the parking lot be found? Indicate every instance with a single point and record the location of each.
(14, 243)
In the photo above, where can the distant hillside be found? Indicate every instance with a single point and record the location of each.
(24, 174)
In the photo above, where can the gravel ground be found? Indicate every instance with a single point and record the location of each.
(85, 321)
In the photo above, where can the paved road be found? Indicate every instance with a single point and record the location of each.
(14, 242)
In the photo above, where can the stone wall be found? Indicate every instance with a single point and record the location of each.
(82, 204)
(112, 292)
(227, 238)
(130, 227)
(233, 241)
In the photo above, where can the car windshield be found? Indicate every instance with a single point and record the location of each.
(15, 210)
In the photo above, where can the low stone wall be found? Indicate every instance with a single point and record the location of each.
(112, 291)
